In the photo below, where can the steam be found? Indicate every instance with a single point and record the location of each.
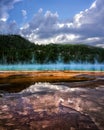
(59, 66)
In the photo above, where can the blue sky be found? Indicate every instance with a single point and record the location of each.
(45, 21)
(66, 8)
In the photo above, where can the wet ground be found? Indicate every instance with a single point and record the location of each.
(77, 105)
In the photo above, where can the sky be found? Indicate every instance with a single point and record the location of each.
(54, 21)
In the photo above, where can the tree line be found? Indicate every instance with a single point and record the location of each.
(15, 49)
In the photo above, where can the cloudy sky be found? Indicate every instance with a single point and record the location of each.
(54, 21)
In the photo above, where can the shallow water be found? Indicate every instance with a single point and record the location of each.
(59, 66)
(51, 107)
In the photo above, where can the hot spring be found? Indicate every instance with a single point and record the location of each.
(58, 66)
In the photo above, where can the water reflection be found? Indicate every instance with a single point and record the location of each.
(52, 107)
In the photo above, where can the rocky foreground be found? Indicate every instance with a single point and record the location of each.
(73, 104)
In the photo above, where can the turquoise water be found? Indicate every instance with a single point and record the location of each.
(72, 66)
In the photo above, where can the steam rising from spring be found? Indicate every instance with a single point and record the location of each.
(58, 66)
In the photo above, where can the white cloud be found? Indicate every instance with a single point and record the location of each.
(65, 38)
(87, 26)
(5, 6)
(62, 38)
(11, 28)
(93, 5)
(42, 25)
(4, 18)
(24, 13)
(40, 10)
(93, 39)
(100, 45)
(5, 27)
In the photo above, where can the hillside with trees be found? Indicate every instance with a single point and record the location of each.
(14, 49)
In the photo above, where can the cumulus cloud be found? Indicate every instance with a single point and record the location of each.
(86, 27)
(5, 27)
(90, 23)
(11, 28)
(5, 6)
(42, 25)
(24, 13)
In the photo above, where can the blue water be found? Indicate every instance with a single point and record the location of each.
(72, 66)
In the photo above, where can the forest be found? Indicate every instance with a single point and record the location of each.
(15, 49)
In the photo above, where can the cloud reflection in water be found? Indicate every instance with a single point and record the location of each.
(34, 110)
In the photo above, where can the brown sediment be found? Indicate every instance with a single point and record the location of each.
(48, 76)
(15, 81)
